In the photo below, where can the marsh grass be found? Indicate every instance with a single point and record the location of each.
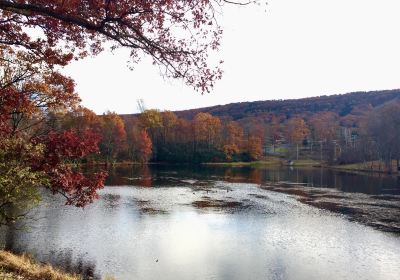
(23, 267)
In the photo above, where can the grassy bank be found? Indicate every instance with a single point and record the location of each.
(23, 267)
(374, 167)
(370, 166)
(270, 161)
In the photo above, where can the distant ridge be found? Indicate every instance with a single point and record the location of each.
(341, 104)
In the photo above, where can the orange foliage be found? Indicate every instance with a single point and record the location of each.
(234, 133)
(114, 135)
(297, 130)
(254, 147)
(230, 150)
(145, 147)
(206, 127)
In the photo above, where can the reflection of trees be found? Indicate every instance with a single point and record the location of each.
(137, 175)
(235, 175)
(228, 173)
(324, 178)
(63, 259)
(373, 183)
(80, 265)
(10, 242)
(114, 177)
(243, 175)
(111, 200)
(145, 179)
(255, 176)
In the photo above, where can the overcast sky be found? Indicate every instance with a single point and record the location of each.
(287, 49)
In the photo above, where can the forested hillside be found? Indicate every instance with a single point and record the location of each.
(348, 128)
(342, 105)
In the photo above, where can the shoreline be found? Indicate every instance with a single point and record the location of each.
(24, 267)
(271, 162)
(305, 163)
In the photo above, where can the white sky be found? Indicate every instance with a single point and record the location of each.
(287, 49)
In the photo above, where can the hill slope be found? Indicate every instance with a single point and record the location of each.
(342, 104)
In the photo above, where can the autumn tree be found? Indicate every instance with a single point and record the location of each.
(177, 35)
(274, 130)
(19, 184)
(81, 118)
(233, 138)
(183, 148)
(144, 147)
(255, 127)
(382, 127)
(30, 91)
(169, 121)
(132, 128)
(38, 37)
(113, 135)
(151, 119)
(297, 131)
(325, 129)
(254, 147)
(34, 152)
(206, 128)
(324, 126)
(59, 149)
(184, 131)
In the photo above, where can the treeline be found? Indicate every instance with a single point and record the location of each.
(377, 138)
(163, 137)
(366, 134)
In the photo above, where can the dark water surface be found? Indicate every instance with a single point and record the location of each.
(180, 222)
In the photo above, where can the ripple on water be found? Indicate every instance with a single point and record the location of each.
(160, 233)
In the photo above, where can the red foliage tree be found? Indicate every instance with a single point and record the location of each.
(60, 147)
(178, 35)
(36, 36)
(31, 92)
(144, 147)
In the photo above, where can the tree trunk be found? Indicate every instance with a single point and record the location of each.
(320, 149)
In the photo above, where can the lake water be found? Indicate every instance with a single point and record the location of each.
(181, 222)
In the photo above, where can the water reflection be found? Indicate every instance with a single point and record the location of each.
(214, 223)
(135, 174)
(311, 177)
(14, 240)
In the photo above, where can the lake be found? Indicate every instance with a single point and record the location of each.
(212, 222)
